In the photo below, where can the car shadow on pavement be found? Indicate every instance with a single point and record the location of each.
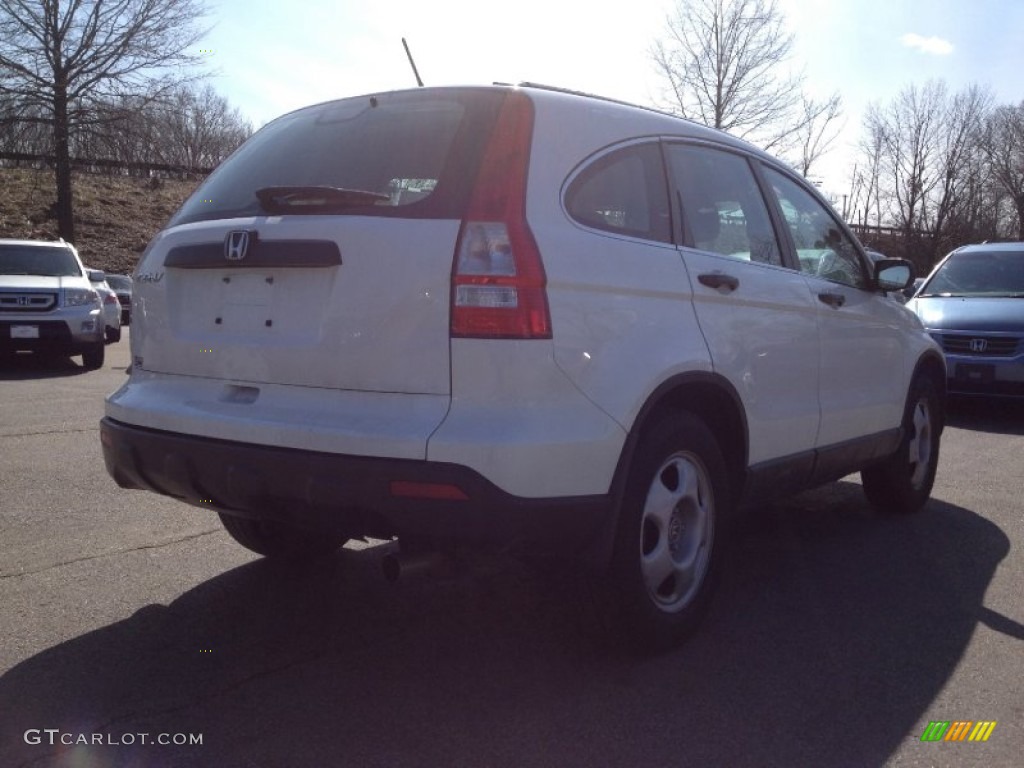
(24, 366)
(1001, 416)
(831, 635)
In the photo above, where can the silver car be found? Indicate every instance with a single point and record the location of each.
(111, 305)
(47, 302)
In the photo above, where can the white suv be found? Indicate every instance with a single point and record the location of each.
(516, 316)
(48, 302)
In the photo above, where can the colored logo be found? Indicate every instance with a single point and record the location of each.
(958, 730)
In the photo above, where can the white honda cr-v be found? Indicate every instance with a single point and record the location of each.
(517, 317)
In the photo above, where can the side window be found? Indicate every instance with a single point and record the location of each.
(624, 192)
(722, 207)
(822, 247)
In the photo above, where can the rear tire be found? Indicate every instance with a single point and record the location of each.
(902, 483)
(92, 358)
(671, 535)
(279, 540)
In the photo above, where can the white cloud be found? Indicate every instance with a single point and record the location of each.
(933, 45)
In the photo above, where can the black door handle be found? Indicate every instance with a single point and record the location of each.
(832, 299)
(718, 280)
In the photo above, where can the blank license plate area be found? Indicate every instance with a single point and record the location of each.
(247, 301)
(24, 331)
(976, 373)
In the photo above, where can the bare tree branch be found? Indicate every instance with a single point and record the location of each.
(1002, 142)
(724, 65)
(816, 130)
(66, 59)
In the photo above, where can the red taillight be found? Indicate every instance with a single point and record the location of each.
(498, 281)
(110, 298)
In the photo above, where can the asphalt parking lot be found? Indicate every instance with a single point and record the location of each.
(837, 635)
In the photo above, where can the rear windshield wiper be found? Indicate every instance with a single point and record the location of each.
(314, 199)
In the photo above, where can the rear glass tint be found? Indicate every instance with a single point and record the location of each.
(415, 151)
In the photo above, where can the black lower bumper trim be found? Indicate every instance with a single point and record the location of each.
(343, 493)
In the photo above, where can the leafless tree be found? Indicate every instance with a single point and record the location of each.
(23, 130)
(958, 161)
(197, 128)
(65, 57)
(866, 191)
(935, 155)
(192, 127)
(817, 129)
(910, 129)
(1003, 145)
(724, 65)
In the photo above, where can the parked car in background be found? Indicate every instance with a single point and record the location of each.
(973, 305)
(530, 319)
(47, 302)
(111, 306)
(122, 285)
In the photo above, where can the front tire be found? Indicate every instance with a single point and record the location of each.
(902, 483)
(671, 535)
(92, 358)
(279, 541)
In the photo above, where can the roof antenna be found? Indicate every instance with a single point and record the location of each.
(412, 63)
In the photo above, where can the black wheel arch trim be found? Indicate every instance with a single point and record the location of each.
(936, 361)
(658, 398)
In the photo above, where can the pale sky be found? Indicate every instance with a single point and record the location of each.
(273, 56)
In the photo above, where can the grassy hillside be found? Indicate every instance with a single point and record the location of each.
(115, 216)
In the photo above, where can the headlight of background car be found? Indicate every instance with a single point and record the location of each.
(80, 297)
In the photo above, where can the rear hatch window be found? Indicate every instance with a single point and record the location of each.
(413, 154)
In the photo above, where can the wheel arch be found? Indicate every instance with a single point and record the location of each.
(710, 397)
(933, 365)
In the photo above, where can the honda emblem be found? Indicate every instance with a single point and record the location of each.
(979, 345)
(236, 244)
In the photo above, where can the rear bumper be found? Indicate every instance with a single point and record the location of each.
(354, 495)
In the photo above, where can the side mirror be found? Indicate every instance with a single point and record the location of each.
(96, 275)
(893, 274)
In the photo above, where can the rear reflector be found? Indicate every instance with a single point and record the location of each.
(444, 491)
(498, 281)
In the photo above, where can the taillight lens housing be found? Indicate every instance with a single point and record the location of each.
(498, 281)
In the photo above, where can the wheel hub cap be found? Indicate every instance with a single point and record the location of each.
(677, 532)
